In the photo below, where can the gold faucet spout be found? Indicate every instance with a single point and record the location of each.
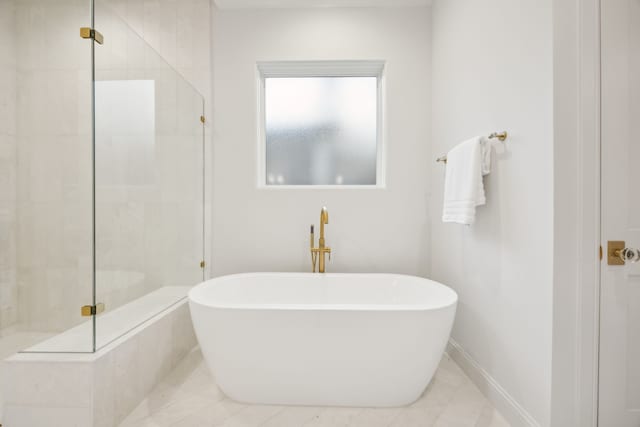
(324, 219)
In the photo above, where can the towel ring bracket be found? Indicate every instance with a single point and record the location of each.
(501, 136)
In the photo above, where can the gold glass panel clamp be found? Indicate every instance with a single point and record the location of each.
(318, 254)
(91, 33)
(90, 310)
(619, 254)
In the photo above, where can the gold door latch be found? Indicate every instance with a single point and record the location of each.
(619, 254)
(90, 33)
(613, 252)
(90, 310)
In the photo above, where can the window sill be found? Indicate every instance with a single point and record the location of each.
(322, 187)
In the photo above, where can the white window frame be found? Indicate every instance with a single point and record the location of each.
(320, 69)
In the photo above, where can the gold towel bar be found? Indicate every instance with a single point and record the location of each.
(500, 135)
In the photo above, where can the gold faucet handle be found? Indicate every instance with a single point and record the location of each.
(314, 259)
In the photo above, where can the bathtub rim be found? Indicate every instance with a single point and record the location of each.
(451, 302)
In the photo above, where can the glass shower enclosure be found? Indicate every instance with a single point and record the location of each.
(107, 205)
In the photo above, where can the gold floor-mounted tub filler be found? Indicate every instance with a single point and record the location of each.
(317, 254)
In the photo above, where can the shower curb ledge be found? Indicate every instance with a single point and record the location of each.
(96, 389)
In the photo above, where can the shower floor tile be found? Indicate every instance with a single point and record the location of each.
(188, 397)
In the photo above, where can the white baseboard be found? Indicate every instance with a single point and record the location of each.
(512, 411)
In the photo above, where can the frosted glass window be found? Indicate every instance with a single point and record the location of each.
(321, 130)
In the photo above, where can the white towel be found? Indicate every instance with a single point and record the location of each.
(467, 163)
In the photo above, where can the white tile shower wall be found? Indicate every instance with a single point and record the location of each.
(96, 390)
(8, 167)
(180, 31)
(499, 78)
(373, 230)
(54, 163)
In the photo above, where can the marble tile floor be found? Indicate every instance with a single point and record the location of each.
(188, 397)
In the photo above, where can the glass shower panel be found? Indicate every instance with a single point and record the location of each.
(51, 209)
(149, 180)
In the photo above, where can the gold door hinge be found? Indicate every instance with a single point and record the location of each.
(601, 253)
(202, 119)
(202, 264)
(90, 310)
(90, 33)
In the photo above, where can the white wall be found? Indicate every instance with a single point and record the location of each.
(8, 166)
(492, 71)
(369, 230)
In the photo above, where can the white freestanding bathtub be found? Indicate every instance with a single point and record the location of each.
(369, 340)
